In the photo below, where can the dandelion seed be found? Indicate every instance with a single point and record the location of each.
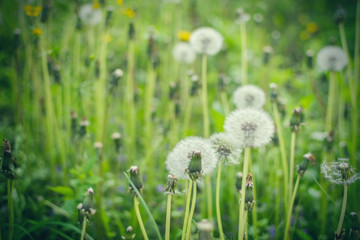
(206, 40)
(225, 148)
(332, 58)
(339, 172)
(249, 127)
(249, 96)
(178, 159)
(183, 52)
(89, 15)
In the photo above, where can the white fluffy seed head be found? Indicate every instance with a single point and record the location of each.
(332, 58)
(183, 52)
(339, 172)
(89, 15)
(178, 159)
(115, 136)
(242, 16)
(225, 148)
(249, 96)
(206, 40)
(249, 127)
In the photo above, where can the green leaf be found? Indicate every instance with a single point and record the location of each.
(66, 191)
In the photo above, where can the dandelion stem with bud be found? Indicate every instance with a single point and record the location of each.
(218, 214)
(188, 198)
(341, 219)
(288, 215)
(141, 224)
(168, 217)
(292, 156)
(243, 192)
(188, 232)
(83, 231)
(331, 103)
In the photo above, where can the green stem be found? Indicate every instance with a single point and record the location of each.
(316, 92)
(243, 192)
(168, 217)
(188, 198)
(282, 150)
(331, 102)
(193, 203)
(288, 216)
(292, 156)
(83, 231)
(243, 54)
(141, 224)
(225, 103)
(341, 219)
(187, 116)
(254, 210)
(218, 214)
(10, 208)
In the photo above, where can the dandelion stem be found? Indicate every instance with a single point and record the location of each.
(10, 208)
(141, 224)
(188, 233)
(187, 116)
(243, 53)
(168, 217)
(225, 103)
(341, 219)
(288, 215)
(188, 198)
(331, 102)
(292, 156)
(83, 231)
(282, 150)
(243, 192)
(218, 214)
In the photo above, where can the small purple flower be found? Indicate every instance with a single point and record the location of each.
(160, 188)
(272, 231)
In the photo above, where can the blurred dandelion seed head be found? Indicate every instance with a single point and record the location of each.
(205, 225)
(225, 148)
(183, 52)
(206, 40)
(332, 58)
(115, 136)
(339, 172)
(178, 159)
(89, 15)
(249, 127)
(98, 145)
(242, 16)
(249, 96)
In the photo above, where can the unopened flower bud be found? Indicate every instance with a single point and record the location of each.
(296, 119)
(309, 59)
(83, 126)
(129, 235)
(86, 209)
(249, 196)
(301, 168)
(194, 169)
(171, 184)
(267, 50)
(135, 178)
(340, 15)
(238, 182)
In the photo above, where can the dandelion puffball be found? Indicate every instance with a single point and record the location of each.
(183, 52)
(339, 172)
(249, 127)
(179, 158)
(206, 40)
(225, 148)
(249, 96)
(332, 58)
(89, 15)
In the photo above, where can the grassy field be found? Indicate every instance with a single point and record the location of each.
(99, 104)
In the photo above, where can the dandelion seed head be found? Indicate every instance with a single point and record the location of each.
(249, 127)
(178, 159)
(339, 172)
(225, 148)
(206, 40)
(332, 58)
(118, 73)
(249, 96)
(205, 226)
(115, 136)
(89, 15)
(90, 191)
(242, 16)
(98, 145)
(183, 52)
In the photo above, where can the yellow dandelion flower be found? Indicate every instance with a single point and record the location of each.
(119, 2)
(183, 35)
(37, 31)
(27, 8)
(129, 12)
(36, 11)
(96, 5)
(108, 38)
(312, 27)
(304, 35)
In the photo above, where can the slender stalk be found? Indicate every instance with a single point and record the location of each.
(341, 219)
(282, 150)
(245, 224)
(243, 53)
(168, 217)
(218, 214)
(188, 198)
(292, 156)
(288, 215)
(141, 224)
(188, 231)
(254, 211)
(187, 116)
(316, 92)
(83, 231)
(243, 192)
(10, 208)
(225, 103)
(331, 102)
